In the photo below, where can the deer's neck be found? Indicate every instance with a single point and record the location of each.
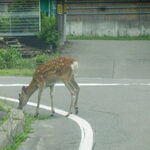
(31, 88)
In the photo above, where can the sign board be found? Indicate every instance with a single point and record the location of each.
(59, 9)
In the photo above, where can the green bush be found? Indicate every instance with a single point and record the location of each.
(40, 59)
(49, 33)
(2, 62)
(9, 58)
(25, 63)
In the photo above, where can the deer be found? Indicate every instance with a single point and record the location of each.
(62, 69)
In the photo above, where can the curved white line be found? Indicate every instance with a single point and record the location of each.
(86, 130)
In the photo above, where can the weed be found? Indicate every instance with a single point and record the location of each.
(6, 115)
(44, 117)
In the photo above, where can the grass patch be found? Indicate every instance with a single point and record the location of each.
(16, 72)
(7, 104)
(44, 117)
(5, 117)
(2, 109)
(82, 37)
(6, 111)
(17, 140)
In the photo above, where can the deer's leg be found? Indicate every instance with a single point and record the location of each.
(72, 98)
(52, 95)
(76, 88)
(38, 103)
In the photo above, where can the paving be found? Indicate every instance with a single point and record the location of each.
(117, 108)
(111, 59)
(11, 127)
(46, 133)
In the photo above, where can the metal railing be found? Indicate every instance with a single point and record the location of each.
(19, 19)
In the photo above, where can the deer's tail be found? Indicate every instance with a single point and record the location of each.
(74, 67)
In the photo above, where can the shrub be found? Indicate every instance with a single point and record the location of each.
(25, 63)
(40, 59)
(49, 33)
(2, 62)
(43, 58)
(9, 58)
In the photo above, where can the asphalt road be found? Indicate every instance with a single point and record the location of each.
(111, 59)
(117, 107)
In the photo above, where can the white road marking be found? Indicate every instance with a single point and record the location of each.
(9, 85)
(86, 142)
(87, 84)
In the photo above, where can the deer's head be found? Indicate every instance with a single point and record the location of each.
(23, 98)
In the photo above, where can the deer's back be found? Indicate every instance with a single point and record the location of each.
(56, 69)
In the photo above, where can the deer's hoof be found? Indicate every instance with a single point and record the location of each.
(36, 115)
(68, 114)
(52, 115)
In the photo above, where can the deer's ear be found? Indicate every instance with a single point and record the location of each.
(24, 89)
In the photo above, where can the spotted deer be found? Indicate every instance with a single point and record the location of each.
(47, 75)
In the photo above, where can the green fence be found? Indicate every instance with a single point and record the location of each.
(19, 17)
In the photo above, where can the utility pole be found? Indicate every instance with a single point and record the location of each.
(61, 20)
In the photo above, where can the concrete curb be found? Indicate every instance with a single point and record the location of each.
(11, 127)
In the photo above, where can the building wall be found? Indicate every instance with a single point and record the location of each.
(113, 18)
